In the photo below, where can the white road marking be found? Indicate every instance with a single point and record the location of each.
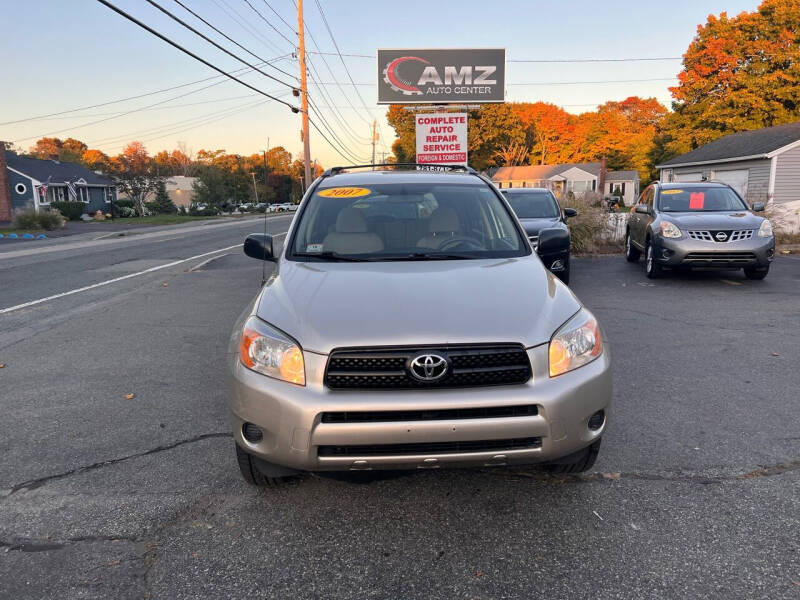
(110, 281)
(729, 282)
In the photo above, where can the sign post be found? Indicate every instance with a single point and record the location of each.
(441, 138)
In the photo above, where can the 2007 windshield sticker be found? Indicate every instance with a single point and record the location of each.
(669, 192)
(344, 192)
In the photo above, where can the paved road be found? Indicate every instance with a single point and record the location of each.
(696, 492)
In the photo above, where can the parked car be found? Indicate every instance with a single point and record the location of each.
(703, 225)
(409, 324)
(537, 209)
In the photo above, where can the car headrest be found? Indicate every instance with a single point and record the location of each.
(444, 220)
(351, 220)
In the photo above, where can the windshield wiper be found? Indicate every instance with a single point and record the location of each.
(332, 256)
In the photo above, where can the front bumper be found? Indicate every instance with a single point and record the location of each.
(685, 252)
(291, 418)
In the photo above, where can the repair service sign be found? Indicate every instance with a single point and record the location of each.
(442, 138)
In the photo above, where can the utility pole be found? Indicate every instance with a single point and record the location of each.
(303, 90)
(374, 139)
(255, 189)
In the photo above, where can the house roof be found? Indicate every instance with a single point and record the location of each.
(746, 144)
(622, 175)
(180, 182)
(535, 172)
(56, 171)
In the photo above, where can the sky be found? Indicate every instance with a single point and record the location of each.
(61, 55)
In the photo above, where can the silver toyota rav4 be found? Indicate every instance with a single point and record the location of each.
(408, 324)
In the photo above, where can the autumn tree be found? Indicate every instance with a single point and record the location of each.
(95, 160)
(135, 174)
(549, 132)
(739, 73)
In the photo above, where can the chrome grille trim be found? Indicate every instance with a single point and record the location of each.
(735, 235)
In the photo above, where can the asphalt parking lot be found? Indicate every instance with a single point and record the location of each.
(696, 492)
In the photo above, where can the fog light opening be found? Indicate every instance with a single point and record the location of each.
(597, 419)
(770, 252)
(666, 253)
(252, 433)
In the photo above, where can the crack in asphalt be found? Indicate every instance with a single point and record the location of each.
(46, 545)
(33, 484)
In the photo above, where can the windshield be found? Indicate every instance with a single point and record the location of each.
(700, 199)
(533, 204)
(406, 221)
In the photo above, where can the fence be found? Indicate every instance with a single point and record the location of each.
(614, 225)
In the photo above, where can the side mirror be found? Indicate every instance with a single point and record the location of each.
(258, 245)
(758, 206)
(570, 212)
(642, 208)
(552, 240)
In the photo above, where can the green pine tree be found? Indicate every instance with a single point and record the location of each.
(163, 204)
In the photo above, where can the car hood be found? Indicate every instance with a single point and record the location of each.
(717, 220)
(327, 305)
(534, 226)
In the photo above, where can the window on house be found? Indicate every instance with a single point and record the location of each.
(54, 194)
(109, 194)
(83, 194)
(510, 185)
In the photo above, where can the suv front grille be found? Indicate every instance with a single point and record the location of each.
(719, 257)
(386, 368)
(730, 235)
(388, 416)
(431, 447)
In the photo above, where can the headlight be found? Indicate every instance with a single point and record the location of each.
(670, 230)
(766, 229)
(271, 352)
(577, 343)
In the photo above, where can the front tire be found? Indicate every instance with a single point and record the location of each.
(651, 268)
(581, 461)
(632, 253)
(251, 473)
(756, 274)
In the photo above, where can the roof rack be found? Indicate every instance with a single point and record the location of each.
(337, 170)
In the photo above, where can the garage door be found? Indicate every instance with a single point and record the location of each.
(688, 176)
(736, 179)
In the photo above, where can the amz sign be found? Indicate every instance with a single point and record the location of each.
(419, 76)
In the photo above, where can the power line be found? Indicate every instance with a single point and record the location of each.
(144, 95)
(203, 123)
(330, 130)
(277, 14)
(539, 60)
(546, 82)
(133, 19)
(336, 114)
(148, 131)
(268, 23)
(123, 114)
(344, 64)
(212, 42)
(230, 39)
(245, 25)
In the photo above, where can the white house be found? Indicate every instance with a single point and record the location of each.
(576, 178)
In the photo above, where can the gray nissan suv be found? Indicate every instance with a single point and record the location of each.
(408, 324)
(700, 225)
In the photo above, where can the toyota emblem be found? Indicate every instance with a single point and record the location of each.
(721, 236)
(429, 367)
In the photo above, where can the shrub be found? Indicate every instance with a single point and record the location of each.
(587, 230)
(70, 210)
(162, 205)
(30, 219)
(124, 203)
(126, 212)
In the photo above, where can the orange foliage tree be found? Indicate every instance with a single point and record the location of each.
(740, 73)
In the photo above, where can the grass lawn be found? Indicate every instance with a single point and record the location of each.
(156, 220)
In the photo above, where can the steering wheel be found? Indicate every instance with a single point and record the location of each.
(470, 243)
